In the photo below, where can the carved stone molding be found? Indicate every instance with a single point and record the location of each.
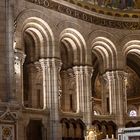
(8, 116)
(86, 17)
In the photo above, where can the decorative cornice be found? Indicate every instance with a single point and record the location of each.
(86, 17)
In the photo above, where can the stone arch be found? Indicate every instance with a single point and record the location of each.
(106, 52)
(130, 124)
(65, 127)
(73, 53)
(80, 128)
(76, 42)
(34, 130)
(111, 129)
(132, 47)
(72, 128)
(131, 57)
(32, 22)
(97, 125)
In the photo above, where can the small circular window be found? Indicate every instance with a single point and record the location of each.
(133, 113)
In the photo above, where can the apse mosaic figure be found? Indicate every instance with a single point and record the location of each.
(119, 4)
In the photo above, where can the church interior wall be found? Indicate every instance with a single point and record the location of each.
(65, 76)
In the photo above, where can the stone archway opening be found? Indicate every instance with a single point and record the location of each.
(34, 130)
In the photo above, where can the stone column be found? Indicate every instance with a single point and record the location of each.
(46, 94)
(18, 68)
(9, 54)
(83, 86)
(32, 90)
(117, 95)
(110, 77)
(51, 68)
(121, 98)
(78, 71)
(104, 91)
(87, 116)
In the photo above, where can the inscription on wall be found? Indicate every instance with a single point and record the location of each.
(86, 17)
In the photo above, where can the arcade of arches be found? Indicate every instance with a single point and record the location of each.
(66, 69)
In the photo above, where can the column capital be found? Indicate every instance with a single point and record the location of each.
(83, 70)
(122, 75)
(89, 70)
(19, 56)
(109, 75)
(38, 66)
(78, 70)
(50, 63)
(118, 74)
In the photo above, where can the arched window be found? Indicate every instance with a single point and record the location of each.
(133, 113)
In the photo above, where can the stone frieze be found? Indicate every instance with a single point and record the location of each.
(86, 17)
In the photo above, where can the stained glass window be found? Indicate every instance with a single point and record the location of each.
(133, 113)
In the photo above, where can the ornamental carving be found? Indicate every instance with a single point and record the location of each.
(8, 116)
(86, 17)
(7, 132)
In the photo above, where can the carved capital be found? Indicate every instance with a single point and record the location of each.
(89, 70)
(78, 70)
(109, 75)
(51, 63)
(19, 56)
(118, 75)
(122, 75)
(38, 66)
(83, 70)
(43, 63)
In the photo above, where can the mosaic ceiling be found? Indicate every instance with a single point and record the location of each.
(117, 4)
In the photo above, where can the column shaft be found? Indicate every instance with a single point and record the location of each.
(18, 68)
(117, 95)
(51, 68)
(121, 98)
(9, 48)
(83, 86)
(78, 70)
(87, 96)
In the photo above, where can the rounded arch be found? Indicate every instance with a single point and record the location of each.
(81, 123)
(130, 124)
(33, 23)
(131, 47)
(105, 50)
(75, 45)
(131, 52)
